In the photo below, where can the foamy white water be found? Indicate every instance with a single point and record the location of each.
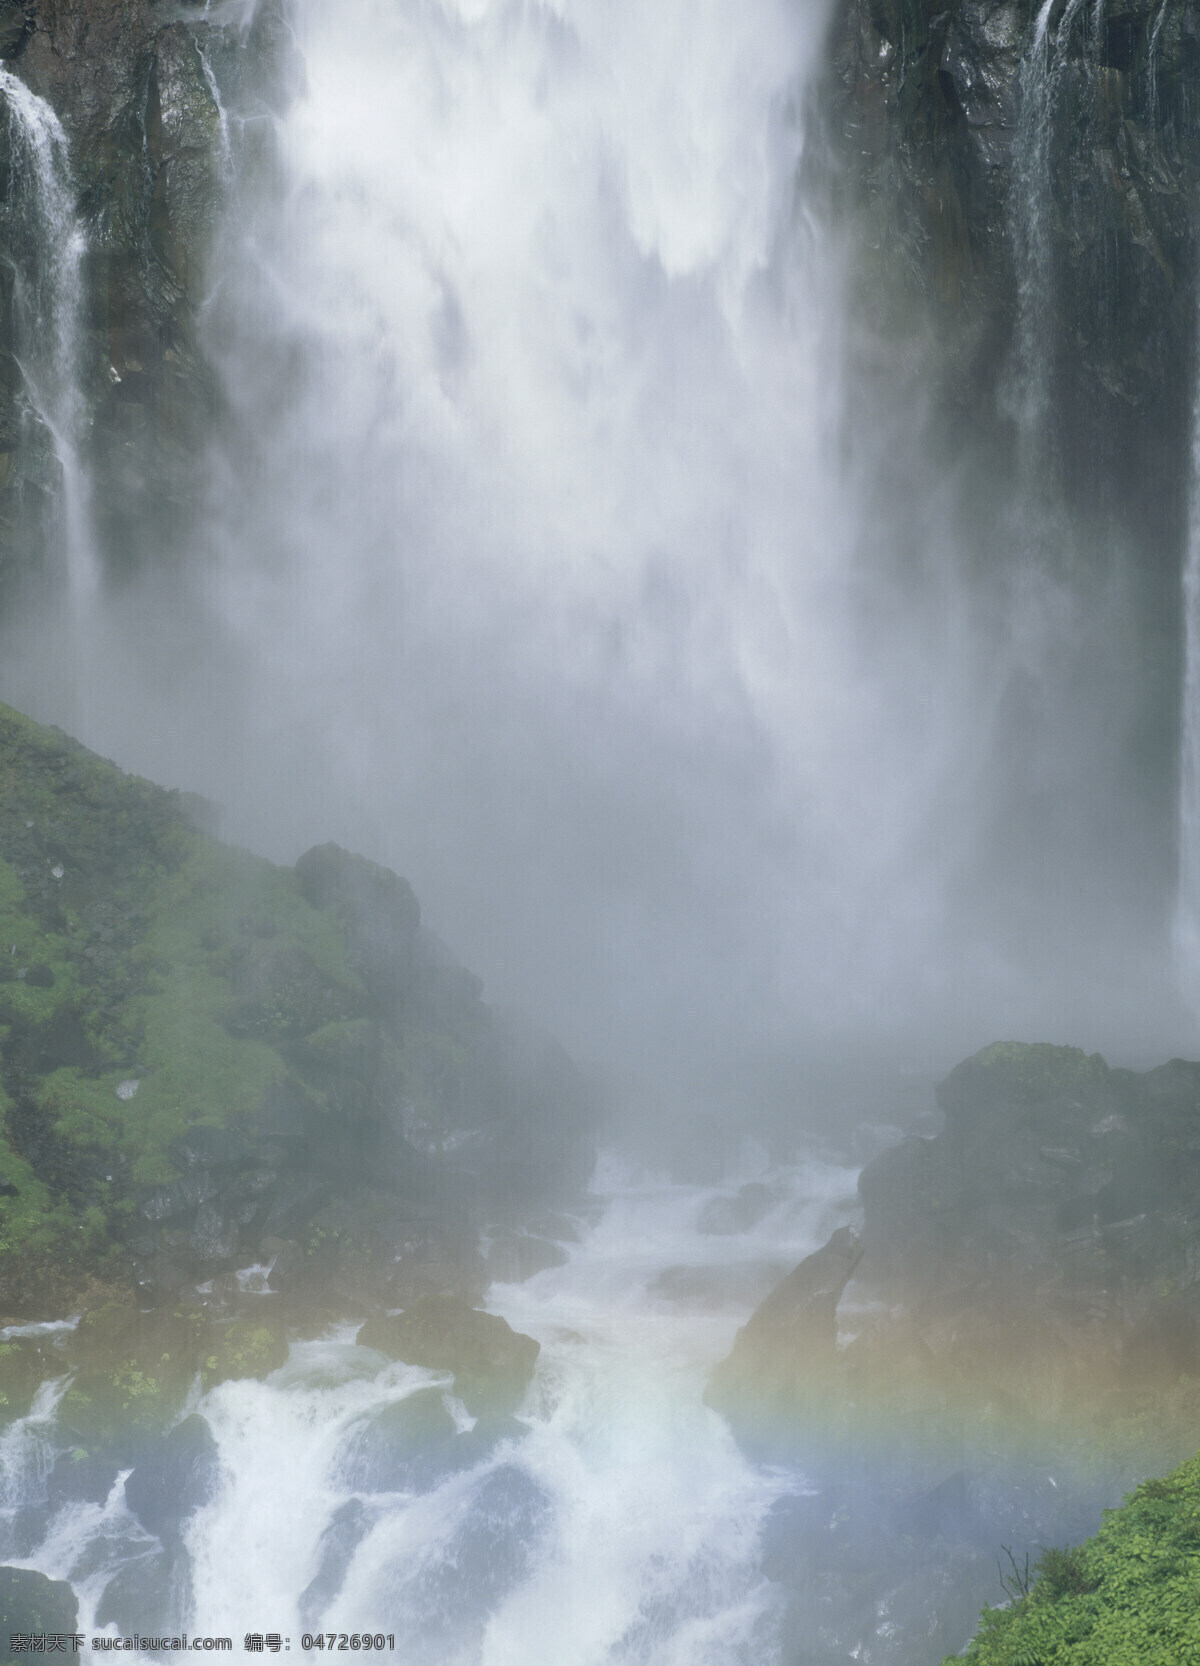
(616, 1522)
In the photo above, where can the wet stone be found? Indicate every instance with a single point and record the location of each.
(29, 1602)
(80, 1477)
(175, 1478)
(141, 1595)
(345, 1532)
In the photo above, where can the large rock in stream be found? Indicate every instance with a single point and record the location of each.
(1054, 1219)
(493, 1365)
(787, 1347)
(1020, 1344)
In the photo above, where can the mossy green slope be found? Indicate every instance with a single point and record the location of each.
(1128, 1597)
(131, 951)
(199, 1048)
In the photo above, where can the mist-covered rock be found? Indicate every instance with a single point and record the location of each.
(1017, 1342)
(211, 1062)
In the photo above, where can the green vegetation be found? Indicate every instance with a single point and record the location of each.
(151, 980)
(132, 1373)
(199, 1049)
(1040, 1070)
(249, 1347)
(1128, 1597)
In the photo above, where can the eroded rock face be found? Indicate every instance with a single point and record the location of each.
(788, 1346)
(1032, 1267)
(1053, 1172)
(998, 177)
(492, 1363)
(134, 84)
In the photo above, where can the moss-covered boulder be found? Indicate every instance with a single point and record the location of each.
(32, 1604)
(1051, 1168)
(492, 1364)
(26, 1362)
(132, 1374)
(251, 1346)
(200, 1050)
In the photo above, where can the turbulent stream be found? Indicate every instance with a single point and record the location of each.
(615, 1522)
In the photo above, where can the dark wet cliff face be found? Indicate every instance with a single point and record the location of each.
(936, 112)
(151, 161)
(1023, 216)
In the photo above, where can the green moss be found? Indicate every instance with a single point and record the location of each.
(133, 1373)
(248, 1347)
(1128, 1597)
(133, 948)
(1037, 1071)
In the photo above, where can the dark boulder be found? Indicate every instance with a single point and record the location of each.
(29, 1602)
(414, 1445)
(402, 1448)
(788, 1347)
(1052, 1172)
(347, 1528)
(138, 1598)
(78, 1476)
(174, 1478)
(492, 1364)
(494, 1546)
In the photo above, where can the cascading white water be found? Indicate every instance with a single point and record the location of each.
(538, 562)
(1187, 908)
(48, 307)
(617, 1523)
(1033, 230)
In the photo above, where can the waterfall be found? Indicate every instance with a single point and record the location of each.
(1031, 372)
(1187, 910)
(48, 304)
(544, 553)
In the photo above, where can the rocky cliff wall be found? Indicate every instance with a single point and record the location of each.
(161, 105)
(1027, 184)
(1019, 189)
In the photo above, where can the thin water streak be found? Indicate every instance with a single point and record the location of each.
(49, 306)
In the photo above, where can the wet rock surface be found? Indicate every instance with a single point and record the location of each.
(789, 1344)
(945, 122)
(1019, 1346)
(492, 1364)
(173, 1479)
(29, 1602)
(134, 85)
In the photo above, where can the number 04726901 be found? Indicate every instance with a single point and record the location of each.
(347, 1640)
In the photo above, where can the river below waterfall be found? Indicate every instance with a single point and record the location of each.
(614, 1520)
